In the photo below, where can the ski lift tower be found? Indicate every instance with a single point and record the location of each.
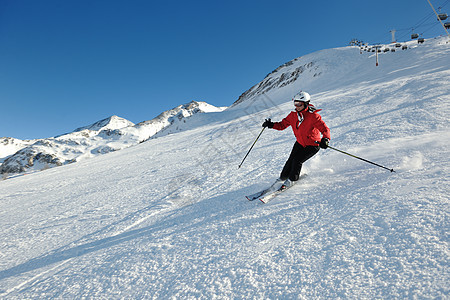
(393, 31)
(377, 49)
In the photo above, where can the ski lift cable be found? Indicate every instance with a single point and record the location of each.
(431, 14)
(430, 27)
(424, 19)
(420, 24)
(440, 18)
(412, 30)
(444, 4)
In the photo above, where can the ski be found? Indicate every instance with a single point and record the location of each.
(269, 196)
(258, 195)
(255, 195)
(271, 192)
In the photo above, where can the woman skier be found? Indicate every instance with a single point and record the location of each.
(307, 126)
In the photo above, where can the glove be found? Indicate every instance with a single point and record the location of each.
(267, 123)
(324, 143)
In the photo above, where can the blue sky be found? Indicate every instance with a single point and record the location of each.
(69, 63)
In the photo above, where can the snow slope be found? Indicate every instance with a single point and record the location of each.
(167, 218)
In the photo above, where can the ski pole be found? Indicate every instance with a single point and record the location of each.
(251, 147)
(370, 162)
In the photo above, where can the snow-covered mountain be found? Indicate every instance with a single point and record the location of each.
(9, 146)
(167, 219)
(108, 135)
(173, 120)
(283, 76)
(111, 123)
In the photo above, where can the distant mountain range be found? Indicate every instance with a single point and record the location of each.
(107, 135)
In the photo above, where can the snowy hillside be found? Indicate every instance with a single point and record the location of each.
(9, 146)
(167, 218)
(108, 135)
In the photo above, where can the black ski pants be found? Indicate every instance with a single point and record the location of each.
(293, 165)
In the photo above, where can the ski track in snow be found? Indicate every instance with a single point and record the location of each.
(168, 218)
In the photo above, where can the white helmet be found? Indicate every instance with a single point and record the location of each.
(302, 96)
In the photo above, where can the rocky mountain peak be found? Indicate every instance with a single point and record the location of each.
(111, 123)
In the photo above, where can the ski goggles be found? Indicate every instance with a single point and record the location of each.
(299, 103)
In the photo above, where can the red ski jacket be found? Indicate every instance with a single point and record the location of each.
(307, 126)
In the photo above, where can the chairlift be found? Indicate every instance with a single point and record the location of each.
(421, 40)
(398, 45)
(414, 36)
(404, 47)
(447, 25)
(442, 17)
